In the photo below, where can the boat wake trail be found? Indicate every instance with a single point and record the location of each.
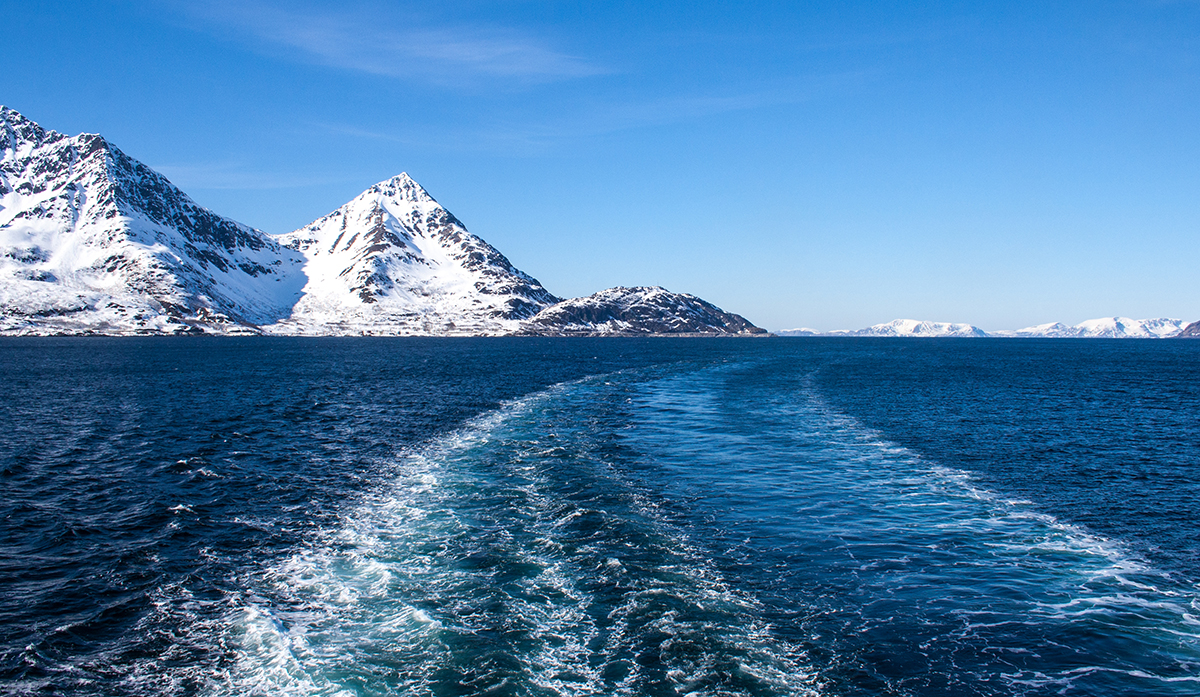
(512, 557)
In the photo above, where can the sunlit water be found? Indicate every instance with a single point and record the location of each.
(577, 517)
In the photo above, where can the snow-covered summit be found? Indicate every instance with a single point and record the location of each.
(91, 240)
(639, 310)
(917, 328)
(394, 261)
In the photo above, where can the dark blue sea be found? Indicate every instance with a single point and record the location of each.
(271, 516)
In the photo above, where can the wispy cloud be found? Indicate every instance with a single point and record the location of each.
(233, 175)
(383, 42)
(537, 134)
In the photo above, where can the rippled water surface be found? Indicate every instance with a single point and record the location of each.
(594, 517)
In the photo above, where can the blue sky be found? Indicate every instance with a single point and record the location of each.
(830, 165)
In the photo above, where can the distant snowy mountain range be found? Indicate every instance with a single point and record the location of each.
(912, 327)
(94, 242)
(1103, 328)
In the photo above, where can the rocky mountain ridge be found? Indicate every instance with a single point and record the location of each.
(638, 311)
(94, 242)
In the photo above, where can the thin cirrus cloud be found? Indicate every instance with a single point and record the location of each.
(395, 47)
(537, 135)
(234, 176)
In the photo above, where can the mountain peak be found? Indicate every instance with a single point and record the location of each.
(17, 130)
(394, 261)
(10, 115)
(401, 188)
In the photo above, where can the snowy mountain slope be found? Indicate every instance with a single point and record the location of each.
(1104, 328)
(1192, 331)
(637, 311)
(799, 331)
(916, 328)
(394, 261)
(93, 241)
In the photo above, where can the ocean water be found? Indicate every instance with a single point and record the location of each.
(271, 516)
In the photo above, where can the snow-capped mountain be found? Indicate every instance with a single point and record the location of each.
(799, 331)
(1192, 331)
(1104, 328)
(93, 241)
(393, 261)
(639, 310)
(917, 328)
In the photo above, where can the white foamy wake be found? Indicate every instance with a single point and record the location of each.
(479, 569)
